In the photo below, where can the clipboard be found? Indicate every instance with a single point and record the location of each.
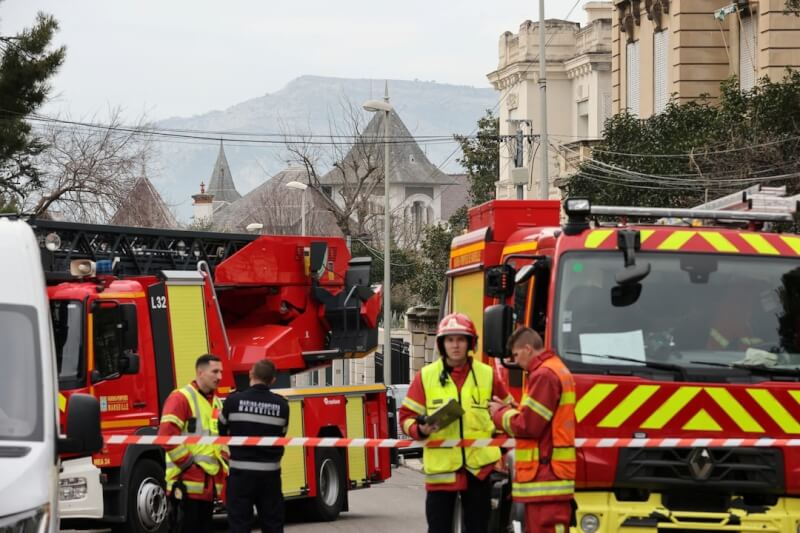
(446, 414)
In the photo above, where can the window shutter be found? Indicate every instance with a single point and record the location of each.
(660, 70)
(633, 77)
(748, 53)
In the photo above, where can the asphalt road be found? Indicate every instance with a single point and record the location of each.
(392, 507)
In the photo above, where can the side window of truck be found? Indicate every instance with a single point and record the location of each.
(107, 341)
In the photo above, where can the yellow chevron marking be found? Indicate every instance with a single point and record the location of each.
(592, 399)
(676, 240)
(62, 403)
(646, 234)
(702, 421)
(597, 237)
(520, 247)
(795, 394)
(670, 408)
(734, 409)
(760, 244)
(718, 241)
(774, 409)
(793, 242)
(628, 406)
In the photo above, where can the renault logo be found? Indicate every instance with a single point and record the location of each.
(701, 464)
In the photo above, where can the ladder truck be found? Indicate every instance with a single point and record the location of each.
(133, 308)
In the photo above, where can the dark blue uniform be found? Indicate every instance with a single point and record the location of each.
(255, 476)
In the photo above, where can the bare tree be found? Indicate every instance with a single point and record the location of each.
(354, 155)
(88, 172)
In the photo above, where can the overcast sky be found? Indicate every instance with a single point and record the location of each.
(185, 57)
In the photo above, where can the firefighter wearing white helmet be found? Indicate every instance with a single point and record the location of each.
(456, 375)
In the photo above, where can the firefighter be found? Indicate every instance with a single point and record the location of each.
(195, 472)
(544, 426)
(455, 471)
(255, 477)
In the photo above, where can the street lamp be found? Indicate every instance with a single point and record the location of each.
(374, 106)
(300, 187)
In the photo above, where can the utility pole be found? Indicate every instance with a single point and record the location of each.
(544, 181)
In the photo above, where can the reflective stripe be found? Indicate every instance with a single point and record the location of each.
(258, 419)
(447, 477)
(538, 408)
(255, 465)
(408, 403)
(721, 340)
(507, 416)
(567, 398)
(560, 528)
(562, 454)
(543, 488)
(200, 428)
(194, 487)
(222, 418)
(172, 419)
(205, 459)
(407, 425)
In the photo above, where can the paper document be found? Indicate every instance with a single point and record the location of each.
(446, 414)
(625, 344)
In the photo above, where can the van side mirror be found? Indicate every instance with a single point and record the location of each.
(499, 281)
(83, 426)
(498, 325)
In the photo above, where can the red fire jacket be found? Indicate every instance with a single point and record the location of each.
(178, 406)
(544, 387)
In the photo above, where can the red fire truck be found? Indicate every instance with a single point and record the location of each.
(684, 340)
(133, 308)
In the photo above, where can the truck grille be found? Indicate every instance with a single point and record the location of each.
(726, 470)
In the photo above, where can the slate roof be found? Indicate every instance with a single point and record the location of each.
(277, 207)
(221, 183)
(408, 164)
(144, 208)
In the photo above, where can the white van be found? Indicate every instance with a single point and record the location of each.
(29, 423)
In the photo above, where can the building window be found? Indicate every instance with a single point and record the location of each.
(748, 51)
(582, 113)
(660, 70)
(632, 52)
(418, 216)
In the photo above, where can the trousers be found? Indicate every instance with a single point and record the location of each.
(247, 489)
(548, 517)
(197, 516)
(475, 507)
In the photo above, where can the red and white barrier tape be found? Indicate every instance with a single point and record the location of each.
(504, 442)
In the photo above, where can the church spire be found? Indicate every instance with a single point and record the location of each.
(221, 184)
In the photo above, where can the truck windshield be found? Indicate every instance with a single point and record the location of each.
(691, 310)
(68, 335)
(21, 405)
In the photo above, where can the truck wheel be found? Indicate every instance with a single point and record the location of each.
(148, 509)
(331, 485)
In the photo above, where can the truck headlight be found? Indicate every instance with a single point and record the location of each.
(33, 521)
(590, 523)
(72, 488)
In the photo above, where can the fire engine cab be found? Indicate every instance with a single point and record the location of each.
(682, 329)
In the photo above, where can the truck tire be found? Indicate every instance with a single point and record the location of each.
(331, 485)
(148, 508)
